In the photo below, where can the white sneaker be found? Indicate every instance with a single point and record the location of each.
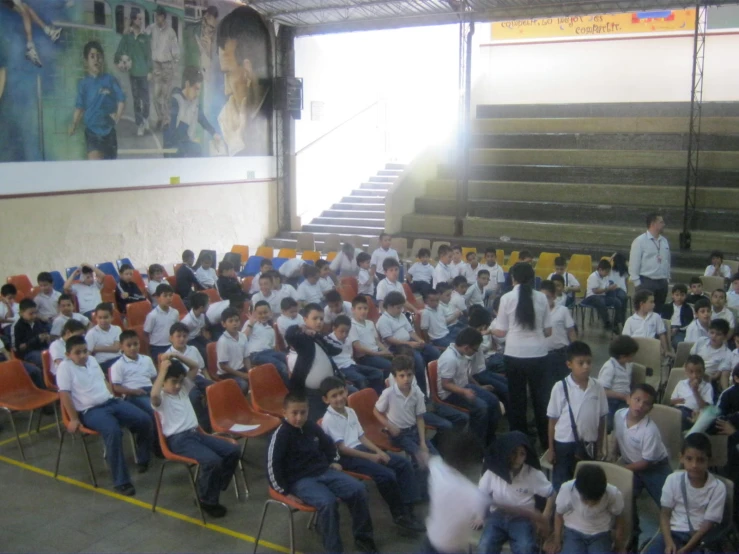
(53, 32)
(32, 56)
(140, 131)
(146, 125)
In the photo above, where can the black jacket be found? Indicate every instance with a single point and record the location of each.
(295, 453)
(305, 347)
(228, 287)
(686, 314)
(28, 334)
(728, 402)
(186, 282)
(134, 295)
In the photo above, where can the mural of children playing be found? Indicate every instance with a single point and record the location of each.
(29, 17)
(101, 100)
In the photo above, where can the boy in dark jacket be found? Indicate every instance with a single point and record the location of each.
(29, 338)
(684, 317)
(302, 464)
(185, 277)
(127, 291)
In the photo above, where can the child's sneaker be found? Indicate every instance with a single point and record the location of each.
(32, 55)
(140, 130)
(53, 33)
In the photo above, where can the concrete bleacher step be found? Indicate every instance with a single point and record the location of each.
(351, 221)
(376, 186)
(351, 205)
(382, 193)
(364, 229)
(610, 109)
(382, 179)
(364, 214)
(356, 199)
(289, 239)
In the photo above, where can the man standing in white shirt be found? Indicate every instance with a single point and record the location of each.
(649, 261)
(165, 52)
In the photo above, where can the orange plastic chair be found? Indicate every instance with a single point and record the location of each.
(279, 339)
(350, 282)
(228, 406)
(191, 464)
(22, 284)
(241, 249)
(136, 313)
(310, 256)
(172, 280)
(143, 339)
(211, 364)
(277, 499)
(287, 253)
(331, 256)
(417, 327)
(107, 293)
(49, 377)
(412, 297)
(179, 305)
(268, 390)
(363, 402)
(84, 432)
(176, 267)
(246, 283)
(19, 394)
(213, 295)
(433, 375)
(266, 252)
(374, 313)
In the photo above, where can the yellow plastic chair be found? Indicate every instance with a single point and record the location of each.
(287, 253)
(311, 256)
(545, 264)
(266, 252)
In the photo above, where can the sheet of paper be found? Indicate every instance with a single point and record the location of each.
(238, 428)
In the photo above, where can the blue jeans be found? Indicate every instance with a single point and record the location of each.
(501, 527)
(557, 366)
(421, 357)
(218, 460)
(443, 342)
(678, 336)
(614, 405)
(495, 363)
(105, 366)
(363, 377)
(653, 479)
(241, 380)
(497, 381)
(580, 543)
(378, 362)
(277, 359)
(446, 418)
(564, 463)
(143, 403)
(108, 419)
(321, 492)
(601, 303)
(395, 480)
(484, 411)
(409, 442)
(34, 371)
(154, 351)
(658, 545)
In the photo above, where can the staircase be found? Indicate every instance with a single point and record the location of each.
(362, 213)
(581, 178)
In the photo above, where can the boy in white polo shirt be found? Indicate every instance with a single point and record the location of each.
(645, 323)
(595, 297)
(577, 415)
(365, 275)
(206, 274)
(421, 274)
(233, 350)
(588, 508)
(641, 447)
(433, 321)
(457, 264)
(443, 271)
(289, 315)
(262, 340)
(368, 347)
(265, 266)
(103, 340)
(715, 354)
(571, 284)
(309, 291)
(196, 322)
(216, 309)
(692, 502)
(382, 253)
(66, 312)
(451, 314)
(615, 375)
(58, 348)
(159, 321)
(191, 358)
(47, 299)
(360, 376)
(563, 333)
(477, 291)
(87, 289)
(471, 267)
(391, 283)
(133, 373)
(497, 275)
(719, 309)
(693, 394)
(326, 280)
(267, 294)
(85, 396)
(335, 306)
(699, 327)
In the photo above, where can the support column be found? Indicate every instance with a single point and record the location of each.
(466, 32)
(285, 135)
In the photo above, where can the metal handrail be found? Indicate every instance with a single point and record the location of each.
(337, 127)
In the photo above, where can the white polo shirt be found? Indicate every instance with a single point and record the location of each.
(442, 274)
(497, 277)
(9, 313)
(434, 323)
(695, 331)
(262, 337)
(570, 279)
(58, 353)
(726, 315)
(588, 406)
(561, 322)
(284, 323)
(595, 281)
(704, 504)
(206, 277)
(344, 359)
(649, 257)
(97, 337)
(648, 327)
(447, 310)
(385, 287)
(395, 327)
(474, 295)
(458, 302)
(274, 300)
(88, 296)
(232, 351)
(616, 377)
(329, 317)
(158, 323)
(58, 324)
(213, 314)
(455, 366)
(310, 294)
(421, 272)
(732, 299)
(723, 271)
(254, 287)
(48, 305)
(194, 323)
(152, 285)
(380, 255)
(469, 272)
(586, 519)
(326, 284)
(343, 427)
(522, 342)
(715, 359)
(133, 374)
(561, 300)
(520, 492)
(291, 268)
(365, 333)
(365, 282)
(191, 353)
(176, 411)
(683, 390)
(640, 442)
(284, 291)
(457, 268)
(401, 410)
(85, 384)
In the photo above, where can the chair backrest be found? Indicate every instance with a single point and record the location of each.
(69, 270)
(638, 374)
(733, 265)
(235, 259)
(287, 253)
(139, 280)
(580, 262)
(683, 351)
(669, 423)
(13, 378)
(279, 339)
(623, 480)
(277, 263)
(143, 339)
(121, 261)
(432, 372)
(268, 390)
(109, 269)
(179, 305)
(136, 313)
(331, 243)
(266, 252)
(713, 283)
(545, 264)
(363, 403)
(400, 245)
(373, 243)
(513, 258)
(49, 377)
(225, 402)
(411, 297)
(310, 256)
(668, 328)
(500, 256)
(417, 326)
(242, 250)
(107, 293)
(22, 284)
(729, 503)
(172, 280)
(719, 450)
(466, 250)
(58, 281)
(306, 241)
(246, 283)
(211, 364)
(649, 356)
(213, 295)
(251, 267)
(331, 256)
(166, 452)
(374, 313)
(418, 244)
(677, 374)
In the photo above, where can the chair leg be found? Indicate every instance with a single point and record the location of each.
(193, 481)
(133, 445)
(242, 466)
(56, 418)
(261, 524)
(30, 422)
(15, 430)
(59, 453)
(159, 484)
(292, 529)
(89, 462)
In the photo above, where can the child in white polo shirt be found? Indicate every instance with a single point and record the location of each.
(457, 264)
(85, 396)
(206, 273)
(588, 508)
(476, 292)
(197, 331)
(692, 502)
(571, 284)
(421, 274)
(646, 323)
(103, 340)
(233, 350)
(563, 333)
(262, 340)
(66, 312)
(47, 299)
(382, 253)
(560, 298)
(641, 447)
(133, 373)
(699, 327)
(442, 271)
(512, 479)
(595, 297)
(360, 376)
(87, 289)
(335, 306)
(282, 290)
(577, 415)
(9, 309)
(326, 280)
(719, 309)
(458, 300)
(191, 358)
(451, 314)
(369, 349)
(715, 354)
(159, 321)
(289, 315)
(693, 394)
(264, 267)
(213, 314)
(497, 275)
(391, 283)
(433, 322)
(266, 293)
(717, 267)
(309, 291)
(58, 348)
(392, 473)
(156, 278)
(365, 275)
(471, 267)
(615, 375)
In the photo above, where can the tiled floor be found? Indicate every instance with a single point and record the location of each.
(44, 515)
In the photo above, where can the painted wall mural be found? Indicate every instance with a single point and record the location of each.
(107, 79)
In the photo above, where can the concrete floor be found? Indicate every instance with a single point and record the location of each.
(68, 515)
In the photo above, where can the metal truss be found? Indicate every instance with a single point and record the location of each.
(694, 137)
(284, 130)
(466, 32)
